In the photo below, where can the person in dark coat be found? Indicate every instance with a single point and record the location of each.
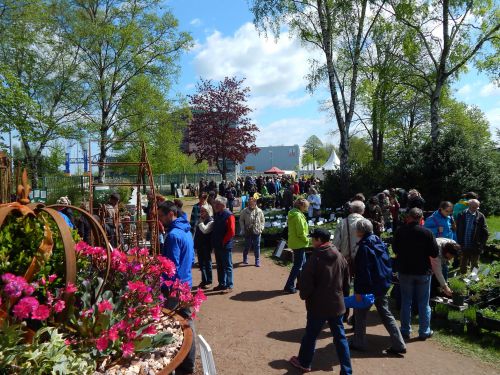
(373, 275)
(223, 232)
(203, 244)
(287, 202)
(323, 283)
(373, 212)
(414, 245)
(472, 234)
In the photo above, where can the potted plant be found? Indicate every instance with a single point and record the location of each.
(441, 310)
(471, 320)
(459, 289)
(456, 321)
(489, 318)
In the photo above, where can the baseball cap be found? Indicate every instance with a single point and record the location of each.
(322, 234)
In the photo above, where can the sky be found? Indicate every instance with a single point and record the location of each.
(227, 44)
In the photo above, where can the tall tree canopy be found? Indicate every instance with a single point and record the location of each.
(340, 30)
(314, 152)
(441, 38)
(221, 130)
(129, 50)
(40, 93)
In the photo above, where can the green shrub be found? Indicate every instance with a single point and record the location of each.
(441, 309)
(470, 314)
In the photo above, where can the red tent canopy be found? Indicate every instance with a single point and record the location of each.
(274, 170)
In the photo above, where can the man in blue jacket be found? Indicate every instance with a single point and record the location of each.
(441, 222)
(373, 275)
(179, 248)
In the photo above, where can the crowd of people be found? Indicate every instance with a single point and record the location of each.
(358, 257)
(325, 270)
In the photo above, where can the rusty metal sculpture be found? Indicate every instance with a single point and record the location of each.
(5, 178)
(44, 251)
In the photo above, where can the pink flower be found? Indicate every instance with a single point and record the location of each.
(150, 330)
(138, 286)
(87, 313)
(67, 342)
(59, 306)
(52, 278)
(113, 333)
(104, 306)
(15, 286)
(128, 349)
(25, 307)
(156, 312)
(148, 298)
(144, 252)
(71, 288)
(81, 247)
(122, 325)
(42, 312)
(167, 266)
(102, 343)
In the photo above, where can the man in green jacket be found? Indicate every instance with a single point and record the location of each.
(298, 232)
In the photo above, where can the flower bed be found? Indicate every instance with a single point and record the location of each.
(115, 324)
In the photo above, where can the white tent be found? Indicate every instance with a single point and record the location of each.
(332, 163)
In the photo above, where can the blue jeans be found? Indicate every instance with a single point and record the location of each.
(299, 258)
(224, 259)
(421, 285)
(308, 344)
(205, 263)
(252, 241)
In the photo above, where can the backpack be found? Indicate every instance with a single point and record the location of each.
(381, 272)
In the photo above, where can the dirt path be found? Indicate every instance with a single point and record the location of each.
(257, 328)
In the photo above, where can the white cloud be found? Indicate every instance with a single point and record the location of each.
(270, 67)
(490, 89)
(196, 22)
(493, 116)
(296, 129)
(465, 90)
(258, 103)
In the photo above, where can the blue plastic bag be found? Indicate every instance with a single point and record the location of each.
(366, 302)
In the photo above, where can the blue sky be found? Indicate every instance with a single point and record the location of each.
(227, 44)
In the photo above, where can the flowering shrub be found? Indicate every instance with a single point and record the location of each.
(110, 318)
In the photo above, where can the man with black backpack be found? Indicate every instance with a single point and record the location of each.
(373, 275)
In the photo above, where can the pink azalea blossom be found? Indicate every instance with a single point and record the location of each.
(59, 306)
(71, 288)
(104, 306)
(128, 349)
(168, 267)
(102, 343)
(150, 330)
(144, 252)
(113, 333)
(52, 278)
(15, 286)
(25, 307)
(156, 312)
(42, 312)
(138, 286)
(87, 313)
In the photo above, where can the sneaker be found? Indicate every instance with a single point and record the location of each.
(294, 361)
(290, 290)
(257, 264)
(245, 262)
(227, 290)
(207, 286)
(392, 351)
(219, 288)
(428, 336)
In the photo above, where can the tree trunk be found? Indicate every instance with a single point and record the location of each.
(434, 103)
(33, 168)
(102, 155)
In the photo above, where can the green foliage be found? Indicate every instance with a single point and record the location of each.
(20, 238)
(490, 313)
(458, 286)
(470, 314)
(314, 152)
(456, 316)
(48, 354)
(441, 309)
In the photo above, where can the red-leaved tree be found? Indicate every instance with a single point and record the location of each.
(221, 130)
